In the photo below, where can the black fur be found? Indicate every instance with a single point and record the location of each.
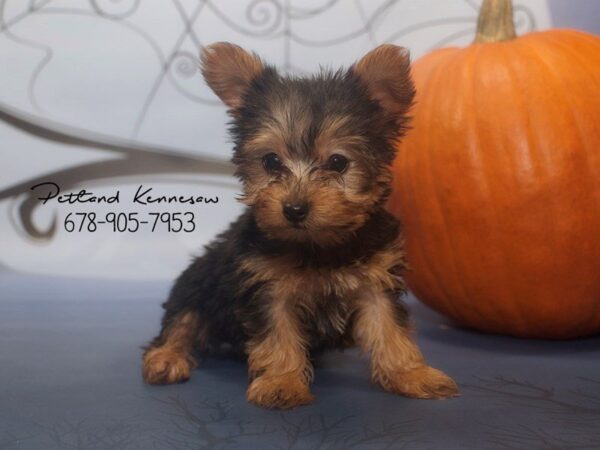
(211, 284)
(279, 287)
(327, 94)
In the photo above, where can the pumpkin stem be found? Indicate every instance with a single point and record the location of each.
(495, 22)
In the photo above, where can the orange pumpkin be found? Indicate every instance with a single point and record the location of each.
(498, 182)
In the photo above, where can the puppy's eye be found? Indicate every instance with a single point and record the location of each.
(271, 162)
(337, 163)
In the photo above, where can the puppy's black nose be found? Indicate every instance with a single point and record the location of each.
(295, 212)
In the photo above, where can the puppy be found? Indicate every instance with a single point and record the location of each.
(315, 261)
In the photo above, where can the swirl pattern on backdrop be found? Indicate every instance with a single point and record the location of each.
(274, 20)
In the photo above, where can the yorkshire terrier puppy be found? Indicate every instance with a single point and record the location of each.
(315, 261)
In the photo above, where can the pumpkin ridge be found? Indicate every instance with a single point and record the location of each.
(590, 72)
(574, 127)
(481, 96)
(565, 99)
(409, 184)
(582, 61)
(593, 175)
(435, 68)
(444, 71)
(533, 54)
(425, 99)
(475, 53)
(513, 83)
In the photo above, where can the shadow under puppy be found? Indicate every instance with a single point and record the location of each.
(315, 261)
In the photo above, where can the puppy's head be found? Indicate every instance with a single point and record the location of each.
(313, 153)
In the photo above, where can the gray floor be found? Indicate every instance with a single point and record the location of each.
(70, 378)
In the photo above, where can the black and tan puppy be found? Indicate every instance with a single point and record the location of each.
(315, 261)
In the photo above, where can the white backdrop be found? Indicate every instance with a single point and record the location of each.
(118, 81)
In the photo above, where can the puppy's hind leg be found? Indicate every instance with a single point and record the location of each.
(169, 358)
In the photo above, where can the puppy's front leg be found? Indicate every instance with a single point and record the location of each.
(169, 357)
(397, 364)
(278, 361)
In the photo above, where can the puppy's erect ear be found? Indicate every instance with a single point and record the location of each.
(229, 70)
(385, 71)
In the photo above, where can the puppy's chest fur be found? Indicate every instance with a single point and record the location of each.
(292, 276)
(321, 289)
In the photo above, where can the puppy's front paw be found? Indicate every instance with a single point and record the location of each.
(279, 391)
(165, 366)
(422, 382)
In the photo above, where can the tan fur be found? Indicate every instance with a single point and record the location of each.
(293, 279)
(385, 72)
(338, 205)
(423, 382)
(335, 136)
(337, 209)
(229, 70)
(332, 216)
(286, 124)
(173, 361)
(397, 364)
(270, 137)
(278, 363)
(289, 117)
(279, 391)
(163, 365)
